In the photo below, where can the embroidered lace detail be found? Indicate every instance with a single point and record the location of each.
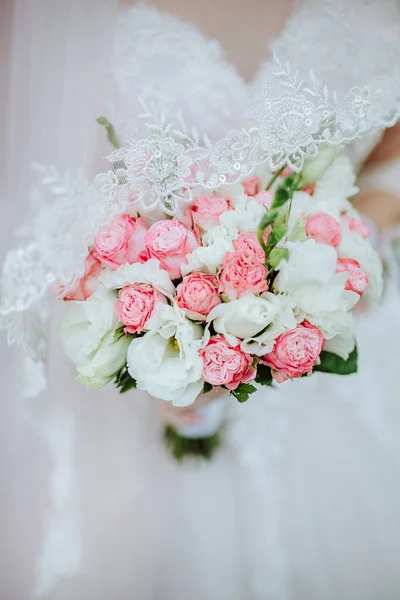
(306, 114)
(55, 250)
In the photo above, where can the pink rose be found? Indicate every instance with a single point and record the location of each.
(240, 274)
(121, 241)
(136, 304)
(85, 286)
(357, 225)
(170, 241)
(357, 281)
(295, 352)
(324, 229)
(309, 189)
(206, 211)
(286, 171)
(265, 198)
(251, 185)
(198, 294)
(226, 365)
(248, 245)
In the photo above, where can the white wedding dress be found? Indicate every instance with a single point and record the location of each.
(303, 500)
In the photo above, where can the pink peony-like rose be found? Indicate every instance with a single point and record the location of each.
(358, 225)
(265, 198)
(251, 185)
(206, 211)
(136, 304)
(198, 294)
(170, 241)
(121, 241)
(85, 286)
(248, 245)
(295, 352)
(358, 280)
(324, 229)
(226, 365)
(240, 275)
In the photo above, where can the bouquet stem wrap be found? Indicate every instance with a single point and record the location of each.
(211, 416)
(199, 439)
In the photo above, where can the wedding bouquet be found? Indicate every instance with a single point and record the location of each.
(253, 283)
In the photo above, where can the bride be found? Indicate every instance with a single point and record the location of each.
(302, 501)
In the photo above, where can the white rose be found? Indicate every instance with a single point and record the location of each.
(353, 245)
(88, 337)
(342, 344)
(333, 190)
(165, 361)
(245, 317)
(246, 215)
(105, 362)
(207, 258)
(284, 320)
(318, 294)
(308, 263)
(148, 272)
(85, 324)
(333, 323)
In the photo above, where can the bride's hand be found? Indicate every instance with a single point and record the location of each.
(180, 416)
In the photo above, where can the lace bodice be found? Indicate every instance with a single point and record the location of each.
(334, 78)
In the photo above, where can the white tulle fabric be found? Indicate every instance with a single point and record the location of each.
(302, 501)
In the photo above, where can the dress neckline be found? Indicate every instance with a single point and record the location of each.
(258, 66)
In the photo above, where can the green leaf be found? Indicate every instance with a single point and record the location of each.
(267, 220)
(274, 178)
(123, 381)
(281, 196)
(118, 333)
(298, 233)
(279, 231)
(111, 135)
(207, 387)
(276, 255)
(243, 391)
(182, 447)
(264, 375)
(274, 237)
(332, 363)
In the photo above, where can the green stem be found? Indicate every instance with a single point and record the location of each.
(182, 447)
(294, 189)
(274, 178)
(260, 235)
(111, 135)
(283, 194)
